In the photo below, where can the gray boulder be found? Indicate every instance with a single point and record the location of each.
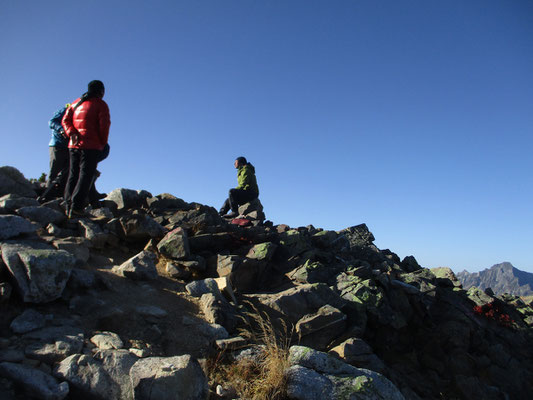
(140, 227)
(12, 181)
(139, 267)
(12, 226)
(168, 378)
(118, 363)
(28, 321)
(42, 215)
(11, 202)
(57, 351)
(88, 376)
(201, 287)
(93, 233)
(322, 327)
(128, 198)
(41, 275)
(356, 352)
(36, 383)
(78, 247)
(346, 381)
(107, 341)
(175, 244)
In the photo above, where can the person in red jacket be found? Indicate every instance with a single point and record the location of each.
(86, 123)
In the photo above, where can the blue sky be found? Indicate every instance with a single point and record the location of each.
(414, 117)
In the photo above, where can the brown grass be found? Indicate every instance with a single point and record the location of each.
(262, 377)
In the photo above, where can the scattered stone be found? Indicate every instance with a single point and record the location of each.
(41, 275)
(12, 202)
(42, 215)
(139, 267)
(88, 376)
(128, 198)
(107, 340)
(201, 287)
(35, 382)
(151, 311)
(176, 271)
(28, 321)
(358, 353)
(51, 353)
(140, 228)
(262, 251)
(12, 226)
(92, 232)
(320, 328)
(166, 378)
(78, 247)
(175, 244)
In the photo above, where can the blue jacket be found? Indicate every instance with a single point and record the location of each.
(58, 139)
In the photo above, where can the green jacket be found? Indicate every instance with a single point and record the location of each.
(246, 178)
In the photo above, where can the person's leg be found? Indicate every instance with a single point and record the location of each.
(54, 167)
(73, 175)
(88, 163)
(225, 207)
(238, 197)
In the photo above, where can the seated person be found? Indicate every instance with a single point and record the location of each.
(246, 191)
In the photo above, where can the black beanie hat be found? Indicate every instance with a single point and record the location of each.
(242, 160)
(95, 87)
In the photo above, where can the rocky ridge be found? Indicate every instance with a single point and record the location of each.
(134, 300)
(501, 278)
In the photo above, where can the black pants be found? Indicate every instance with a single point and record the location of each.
(237, 197)
(59, 168)
(80, 178)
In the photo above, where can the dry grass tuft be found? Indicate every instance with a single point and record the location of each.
(261, 377)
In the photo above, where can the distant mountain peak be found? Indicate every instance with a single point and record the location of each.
(501, 278)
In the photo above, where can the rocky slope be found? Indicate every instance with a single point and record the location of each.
(142, 297)
(501, 278)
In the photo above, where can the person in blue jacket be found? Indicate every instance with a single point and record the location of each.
(59, 158)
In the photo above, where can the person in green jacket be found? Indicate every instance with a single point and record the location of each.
(246, 190)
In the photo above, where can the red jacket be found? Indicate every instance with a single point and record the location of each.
(88, 125)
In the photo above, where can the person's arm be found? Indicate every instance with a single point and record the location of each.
(66, 122)
(104, 121)
(55, 122)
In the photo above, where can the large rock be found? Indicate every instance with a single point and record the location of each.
(168, 378)
(342, 380)
(139, 227)
(11, 202)
(12, 226)
(118, 363)
(12, 181)
(166, 201)
(42, 215)
(358, 353)
(40, 274)
(36, 383)
(28, 321)
(128, 198)
(358, 236)
(88, 377)
(139, 267)
(175, 244)
(297, 302)
(93, 233)
(57, 351)
(320, 328)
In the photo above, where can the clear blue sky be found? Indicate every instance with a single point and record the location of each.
(414, 117)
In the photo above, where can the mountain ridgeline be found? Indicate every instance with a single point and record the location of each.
(501, 278)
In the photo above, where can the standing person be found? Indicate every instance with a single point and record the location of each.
(86, 123)
(246, 190)
(59, 158)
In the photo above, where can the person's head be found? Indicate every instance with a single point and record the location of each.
(240, 162)
(96, 89)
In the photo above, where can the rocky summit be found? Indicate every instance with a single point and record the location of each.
(152, 297)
